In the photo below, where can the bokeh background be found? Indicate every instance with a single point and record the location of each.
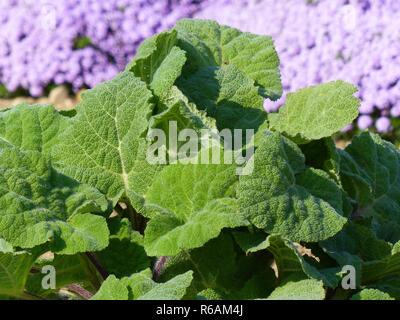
(50, 50)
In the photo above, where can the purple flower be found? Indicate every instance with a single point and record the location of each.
(41, 41)
(364, 122)
(383, 125)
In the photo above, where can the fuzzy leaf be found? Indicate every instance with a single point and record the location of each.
(303, 207)
(227, 95)
(37, 204)
(102, 145)
(207, 44)
(185, 212)
(140, 286)
(31, 127)
(371, 294)
(112, 289)
(316, 112)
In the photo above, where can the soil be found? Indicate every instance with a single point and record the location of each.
(59, 97)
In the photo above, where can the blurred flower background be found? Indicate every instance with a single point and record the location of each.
(79, 43)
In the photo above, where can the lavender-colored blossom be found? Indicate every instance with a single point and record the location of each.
(383, 124)
(364, 122)
(38, 38)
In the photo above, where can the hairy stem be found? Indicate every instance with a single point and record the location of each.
(158, 267)
(81, 291)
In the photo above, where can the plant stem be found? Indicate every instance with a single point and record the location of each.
(103, 272)
(81, 291)
(158, 267)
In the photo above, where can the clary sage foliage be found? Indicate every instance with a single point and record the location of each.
(79, 184)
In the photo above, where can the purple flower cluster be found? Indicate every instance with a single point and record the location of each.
(323, 40)
(38, 38)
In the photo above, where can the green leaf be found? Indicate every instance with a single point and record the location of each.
(112, 289)
(31, 127)
(308, 289)
(370, 170)
(140, 286)
(303, 207)
(158, 61)
(102, 145)
(14, 269)
(185, 212)
(373, 271)
(37, 204)
(124, 242)
(227, 95)
(207, 44)
(371, 294)
(316, 112)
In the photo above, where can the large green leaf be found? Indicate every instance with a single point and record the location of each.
(102, 145)
(190, 204)
(37, 204)
(158, 61)
(207, 44)
(112, 289)
(140, 286)
(227, 95)
(316, 112)
(301, 207)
